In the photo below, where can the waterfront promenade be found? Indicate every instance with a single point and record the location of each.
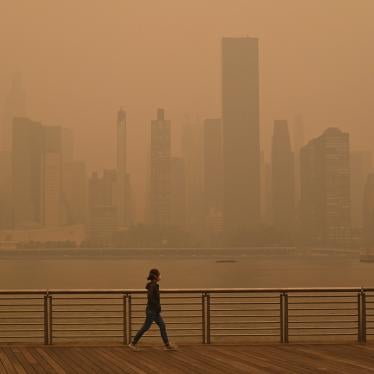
(239, 330)
(276, 358)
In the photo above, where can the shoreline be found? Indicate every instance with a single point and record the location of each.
(226, 253)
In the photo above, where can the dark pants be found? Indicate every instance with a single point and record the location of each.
(149, 319)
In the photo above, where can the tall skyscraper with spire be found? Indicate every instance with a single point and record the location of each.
(122, 168)
(241, 132)
(160, 171)
(283, 187)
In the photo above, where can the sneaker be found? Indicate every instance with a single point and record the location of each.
(133, 347)
(171, 347)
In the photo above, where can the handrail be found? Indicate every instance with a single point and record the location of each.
(187, 290)
(207, 314)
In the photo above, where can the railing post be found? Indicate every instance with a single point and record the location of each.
(359, 317)
(130, 320)
(124, 319)
(50, 321)
(285, 317)
(203, 317)
(45, 306)
(363, 316)
(208, 318)
(281, 316)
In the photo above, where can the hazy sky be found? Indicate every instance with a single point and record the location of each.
(81, 59)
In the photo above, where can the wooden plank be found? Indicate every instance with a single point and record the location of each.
(9, 368)
(277, 358)
(128, 359)
(21, 365)
(47, 354)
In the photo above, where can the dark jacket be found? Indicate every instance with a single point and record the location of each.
(153, 303)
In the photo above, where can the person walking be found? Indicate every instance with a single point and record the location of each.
(153, 312)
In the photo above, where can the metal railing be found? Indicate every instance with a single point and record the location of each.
(195, 315)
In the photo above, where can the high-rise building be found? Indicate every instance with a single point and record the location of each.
(266, 197)
(213, 170)
(36, 174)
(160, 171)
(298, 143)
(368, 212)
(122, 168)
(241, 133)
(52, 201)
(75, 185)
(361, 167)
(5, 190)
(283, 179)
(67, 145)
(102, 209)
(15, 104)
(14, 107)
(27, 172)
(192, 153)
(178, 193)
(325, 189)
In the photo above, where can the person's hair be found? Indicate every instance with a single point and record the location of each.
(153, 274)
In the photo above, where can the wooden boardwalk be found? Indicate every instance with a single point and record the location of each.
(293, 358)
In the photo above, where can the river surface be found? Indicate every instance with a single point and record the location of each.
(208, 271)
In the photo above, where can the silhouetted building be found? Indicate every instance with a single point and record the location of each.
(27, 172)
(67, 145)
(102, 209)
(192, 153)
(266, 197)
(160, 171)
(361, 167)
(298, 143)
(283, 179)
(75, 186)
(5, 190)
(241, 135)
(213, 174)
(14, 106)
(52, 201)
(325, 189)
(368, 212)
(122, 168)
(178, 193)
(15, 103)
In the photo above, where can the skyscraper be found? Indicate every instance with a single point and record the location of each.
(283, 182)
(102, 209)
(266, 213)
(52, 202)
(36, 174)
(361, 167)
(15, 104)
(298, 143)
(241, 135)
(122, 168)
(368, 212)
(192, 153)
(27, 176)
(75, 186)
(160, 171)
(178, 193)
(325, 189)
(213, 169)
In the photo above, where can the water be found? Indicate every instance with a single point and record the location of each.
(42, 272)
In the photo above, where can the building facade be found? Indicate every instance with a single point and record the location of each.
(241, 133)
(283, 179)
(325, 189)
